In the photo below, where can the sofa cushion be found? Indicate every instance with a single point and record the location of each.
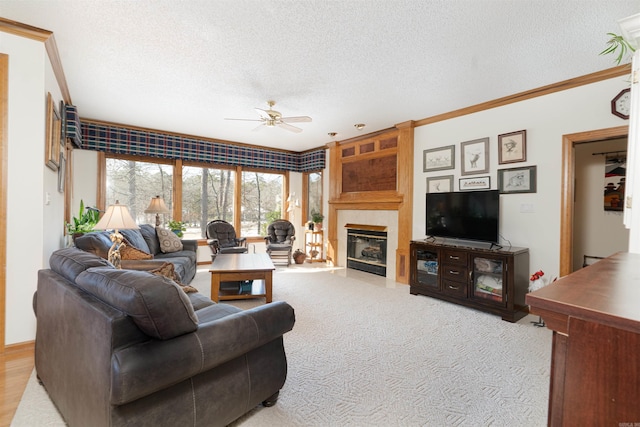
(148, 232)
(135, 239)
(156, 304)
(70, 262)
(169, 241)
(184, 263)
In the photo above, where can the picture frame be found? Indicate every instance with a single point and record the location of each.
(512, 147)
(436, 159)
(62, 171)
(63, 124)
(52, 140)
(475, 183)
(475, 156)
(440, 184)
(517, 180)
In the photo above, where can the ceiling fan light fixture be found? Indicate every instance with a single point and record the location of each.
(272, 118)
(359, 126)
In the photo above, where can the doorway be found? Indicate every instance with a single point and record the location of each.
(567, 207)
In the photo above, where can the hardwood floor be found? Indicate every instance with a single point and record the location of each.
(16, 366)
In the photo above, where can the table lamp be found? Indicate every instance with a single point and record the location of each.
(117, 217)
(157, 206)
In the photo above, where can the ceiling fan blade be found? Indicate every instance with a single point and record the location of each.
(263, 113)
(247, 120)
(297, 119)
(288, 127)
(260, 126)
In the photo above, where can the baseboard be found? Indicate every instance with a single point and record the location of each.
(27, 346)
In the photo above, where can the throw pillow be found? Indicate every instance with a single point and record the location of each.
(169, 242)
(168, 270)
(129, 252)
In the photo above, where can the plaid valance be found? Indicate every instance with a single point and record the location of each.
(73, 125)
(122, 140)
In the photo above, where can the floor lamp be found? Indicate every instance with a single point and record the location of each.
(117, 217)
(157, 206)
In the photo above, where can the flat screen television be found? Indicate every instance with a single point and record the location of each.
(466, 215)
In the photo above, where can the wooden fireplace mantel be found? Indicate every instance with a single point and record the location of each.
(366, 227)
(378, 175)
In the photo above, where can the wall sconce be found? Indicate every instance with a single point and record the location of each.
(292, 204)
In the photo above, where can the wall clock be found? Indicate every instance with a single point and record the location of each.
(621, 103)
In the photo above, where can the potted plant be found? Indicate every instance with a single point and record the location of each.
(84, 222)
(177, 227)
(317, 219)
(299, 256)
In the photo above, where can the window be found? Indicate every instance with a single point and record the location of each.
(133, 183)
(261, 201)
(313, 188)
(207, 194)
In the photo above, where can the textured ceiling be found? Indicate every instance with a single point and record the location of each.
(185, 66)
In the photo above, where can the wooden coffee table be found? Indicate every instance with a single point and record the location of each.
(236, 267)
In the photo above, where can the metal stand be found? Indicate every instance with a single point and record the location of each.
(539, 323)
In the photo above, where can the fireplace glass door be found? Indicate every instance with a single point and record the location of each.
(367, 251)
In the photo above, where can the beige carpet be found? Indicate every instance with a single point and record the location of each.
(364, 352)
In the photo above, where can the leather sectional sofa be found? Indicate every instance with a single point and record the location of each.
(146, 240)
(126, 347)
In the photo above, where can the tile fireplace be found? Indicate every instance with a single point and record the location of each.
(367, 248)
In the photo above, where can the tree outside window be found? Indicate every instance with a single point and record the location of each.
(207, 194)
(133, 183)
(261, 201)
(314, 193)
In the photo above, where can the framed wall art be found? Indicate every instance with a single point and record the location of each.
(512, 147)
(437, 159)
(475, 183)
(52, 140)
(475, 156)
(517, 180)
(62, 171)
(440, 184)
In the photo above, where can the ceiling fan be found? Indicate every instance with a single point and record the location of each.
(272, 118)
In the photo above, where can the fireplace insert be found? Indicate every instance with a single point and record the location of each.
(367, 251)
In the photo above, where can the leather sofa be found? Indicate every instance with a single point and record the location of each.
(146, 240)
(125, 347)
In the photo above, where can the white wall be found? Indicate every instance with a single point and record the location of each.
(596, 232)
(85, 184)
(545, 119)
(34, 228)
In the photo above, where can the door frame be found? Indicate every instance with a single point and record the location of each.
(569, 142)
(4, 161)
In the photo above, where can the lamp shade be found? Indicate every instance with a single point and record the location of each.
(157, 206)
(117, 217)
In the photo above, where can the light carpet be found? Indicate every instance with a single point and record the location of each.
(364, 352)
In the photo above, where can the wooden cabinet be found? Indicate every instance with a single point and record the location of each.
(595, 317)
(495, 281)
(314, 245)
